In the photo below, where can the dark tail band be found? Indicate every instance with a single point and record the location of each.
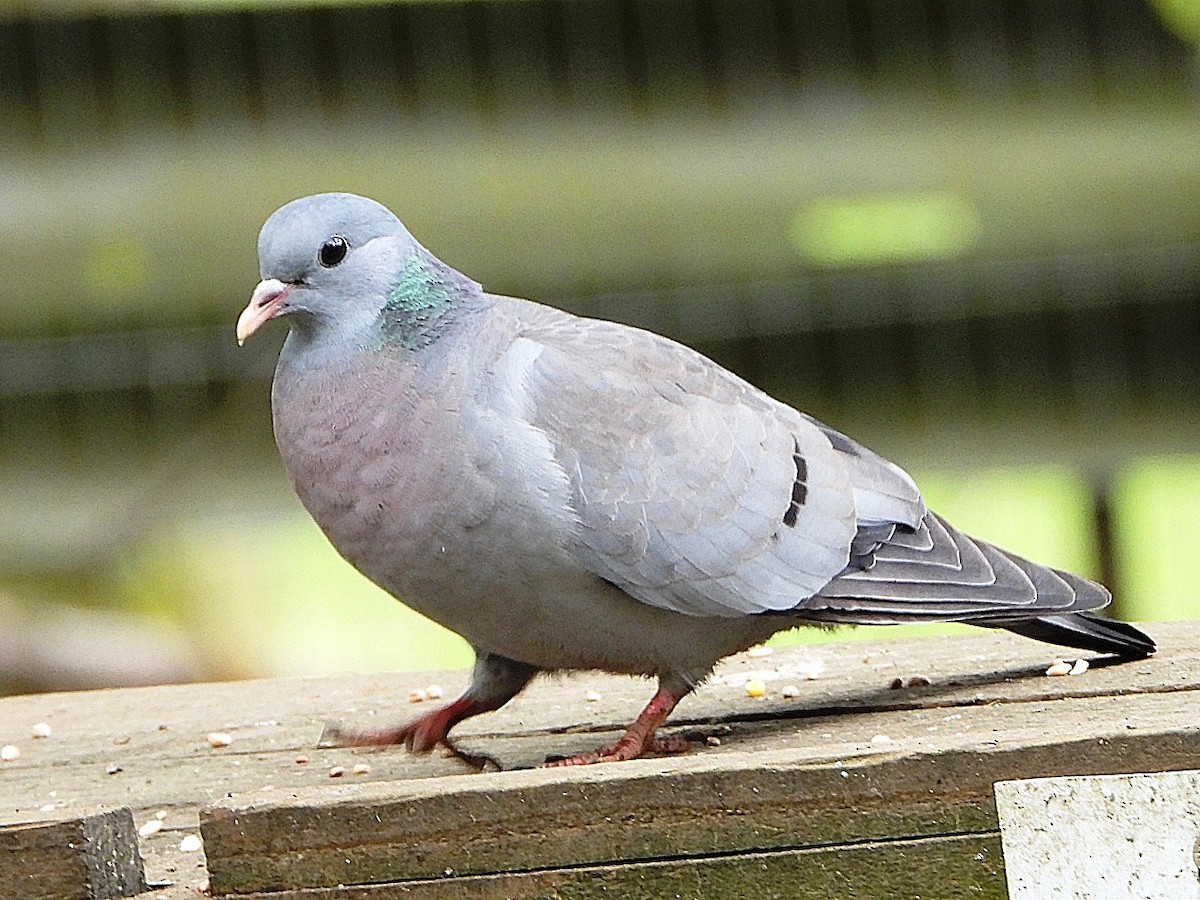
(1087, 632)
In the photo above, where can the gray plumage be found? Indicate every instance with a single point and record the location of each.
(569, 493)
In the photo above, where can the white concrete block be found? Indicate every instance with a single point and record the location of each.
(1108, 837)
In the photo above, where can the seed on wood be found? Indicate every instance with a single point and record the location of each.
(153, 826)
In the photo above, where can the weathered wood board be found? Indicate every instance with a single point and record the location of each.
(851, 761)
(928, 868)
(92, 857)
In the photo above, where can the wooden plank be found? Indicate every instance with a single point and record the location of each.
(691, 806)
(85, 858)
(146, 748)
(928, 868)
(1148, 825)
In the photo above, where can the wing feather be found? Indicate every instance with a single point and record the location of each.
(683, 475)
(693, 491)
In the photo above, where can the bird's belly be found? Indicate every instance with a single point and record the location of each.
(427, 521)
(531, 601)
(563, 617)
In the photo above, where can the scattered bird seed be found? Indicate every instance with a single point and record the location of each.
(219, 739)
(113, 769)
(337, 771)
(361, 769)
(760, 651)
(161, 815)
(153, 826)
(9, 752)
(301, 760)
(41, 730)
(48, 807)
(592, 696)
(896, 684)
(880, 739)
(713, 741)
(417, 695)
(434, 692)
(790, 690)
(1081, 666)
(811, 669)
(756, 687)
(919, 681)
(190, 843)
(1059, 668)
(122, 740)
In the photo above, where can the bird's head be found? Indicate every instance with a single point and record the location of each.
(334, 263)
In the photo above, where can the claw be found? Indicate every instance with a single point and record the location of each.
(331, 735)
(666, 745)
(419, 736)
(639, 740)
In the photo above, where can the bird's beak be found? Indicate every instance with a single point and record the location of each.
(265, 303)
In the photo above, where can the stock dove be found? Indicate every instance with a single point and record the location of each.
(569, 493)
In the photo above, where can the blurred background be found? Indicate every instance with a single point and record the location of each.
(966, 232)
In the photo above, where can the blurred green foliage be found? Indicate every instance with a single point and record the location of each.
(925, 218)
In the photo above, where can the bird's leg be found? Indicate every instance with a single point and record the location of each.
(494, 681)
(640, 739)
(420, 735)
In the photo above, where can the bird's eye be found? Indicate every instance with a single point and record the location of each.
(333, 251)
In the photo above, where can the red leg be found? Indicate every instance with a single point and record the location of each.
(494, 681)
(419, 736)
(640, 739)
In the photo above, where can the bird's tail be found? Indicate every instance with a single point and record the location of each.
(935, 573)
(1086, 632)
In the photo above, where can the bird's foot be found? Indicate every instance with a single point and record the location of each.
(639, 740)
(419, 736)
(624, 749)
